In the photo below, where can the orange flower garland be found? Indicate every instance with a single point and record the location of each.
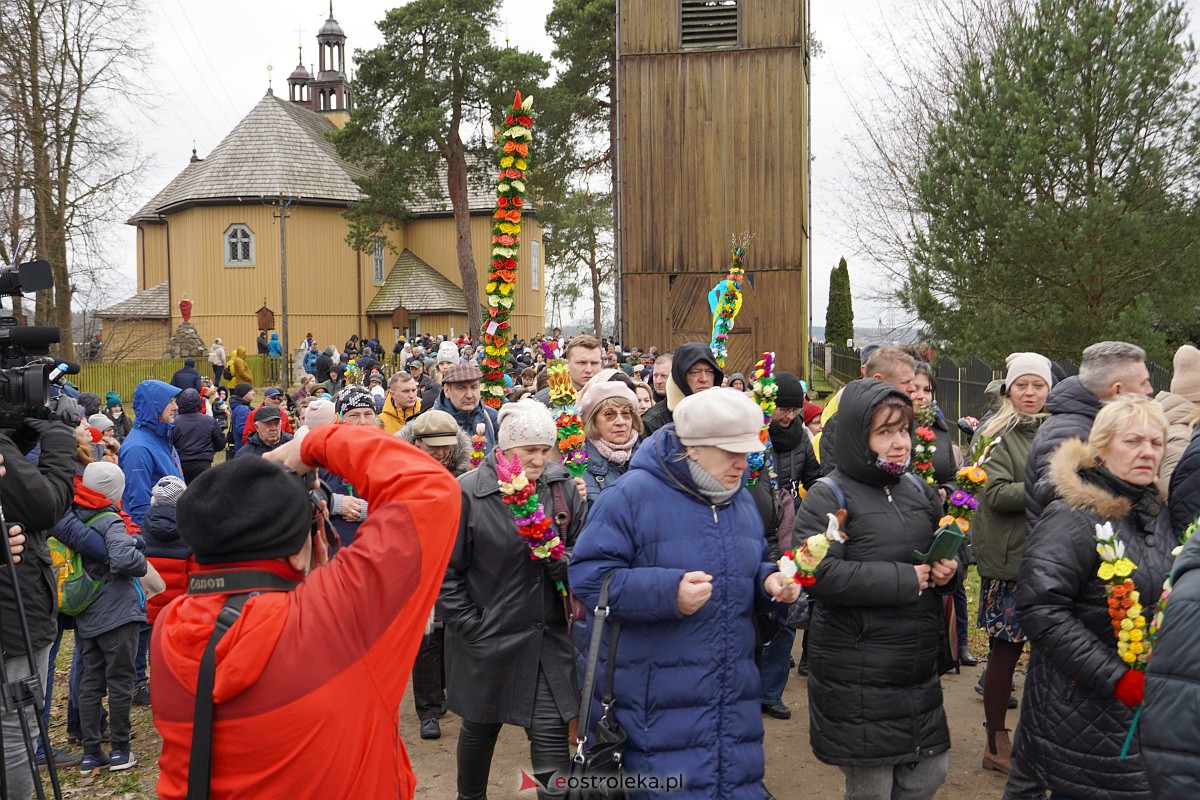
(506, 246)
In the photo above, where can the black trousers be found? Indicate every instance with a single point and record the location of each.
(547, 747)
(192, 469)
(429, 676)
(107, 659)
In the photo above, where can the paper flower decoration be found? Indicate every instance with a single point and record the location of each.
(506, 246)
(725, 300)
(572, 442)
(764, 391)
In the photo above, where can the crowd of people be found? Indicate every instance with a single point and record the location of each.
(233, 530)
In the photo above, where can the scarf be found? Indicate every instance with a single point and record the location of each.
(616, 453)
(785, 440)
(709, 486)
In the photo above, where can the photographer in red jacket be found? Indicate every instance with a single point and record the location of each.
(310, 674)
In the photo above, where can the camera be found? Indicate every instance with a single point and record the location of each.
(27, 371)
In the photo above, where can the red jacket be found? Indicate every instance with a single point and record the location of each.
(285, 425)
(175, 573)
(310, 681)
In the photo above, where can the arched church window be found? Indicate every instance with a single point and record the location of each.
(239, 246)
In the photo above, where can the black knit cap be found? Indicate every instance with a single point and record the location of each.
(260, 511)
(790, 392)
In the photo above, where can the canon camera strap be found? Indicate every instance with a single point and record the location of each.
(243, 584)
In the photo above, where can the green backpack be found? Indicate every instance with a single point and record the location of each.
(76, 588)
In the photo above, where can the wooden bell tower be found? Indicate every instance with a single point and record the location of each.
(713, 140)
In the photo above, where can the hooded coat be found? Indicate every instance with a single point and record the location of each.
(147, 453)
(876, 642)
(1072, 727)
(239, 413)
(240, 369)
(1073, 409)
(121, 599)
(1170, 735)
(503, 615)
(687, 689)
(293, 656)
(687, 356)
(196, 436)
(323, 364)
(275, 347)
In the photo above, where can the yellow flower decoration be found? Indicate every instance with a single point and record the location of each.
(1136, 648)
(1106, 571)
(1136, 635)
(1124, 568)
(1128, 657)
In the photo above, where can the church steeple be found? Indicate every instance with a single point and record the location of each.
(298, 82)
(330, 90)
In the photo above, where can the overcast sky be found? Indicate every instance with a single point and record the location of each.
(208, 68)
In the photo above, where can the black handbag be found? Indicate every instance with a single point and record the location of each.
(596, 765)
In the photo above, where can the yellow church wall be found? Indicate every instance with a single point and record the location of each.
(328, 282)
(433, 241)
(151, 255)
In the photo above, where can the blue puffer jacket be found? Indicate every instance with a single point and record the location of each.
(687, 688)
(239, 409)
(147, 453)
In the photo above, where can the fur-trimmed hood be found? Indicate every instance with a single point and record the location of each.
(1065, 466)
(462, 453)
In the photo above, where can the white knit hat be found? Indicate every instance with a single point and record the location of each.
(319, 412)
(167, 491)
(1027, 364)
(526, 422)
(720, 417)
(106, 478)
(1185, 382)
(447, 351)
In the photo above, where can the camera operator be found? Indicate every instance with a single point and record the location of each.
(34, 496)
(325, 647)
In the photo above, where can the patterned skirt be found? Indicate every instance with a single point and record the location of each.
(998, 610)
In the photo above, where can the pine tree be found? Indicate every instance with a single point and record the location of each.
(839, 315)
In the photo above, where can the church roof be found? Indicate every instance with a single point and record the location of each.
(279, 148)
(417, 288)
(154, 303)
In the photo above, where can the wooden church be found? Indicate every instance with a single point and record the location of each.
(262, 215)
(713, 141)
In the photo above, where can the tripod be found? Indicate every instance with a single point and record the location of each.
(26, 693)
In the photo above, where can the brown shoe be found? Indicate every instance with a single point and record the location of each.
(997, 754)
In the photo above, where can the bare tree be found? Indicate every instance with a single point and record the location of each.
(921, 52)
(63, 67)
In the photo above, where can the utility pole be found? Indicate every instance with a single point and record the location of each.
(284, 204)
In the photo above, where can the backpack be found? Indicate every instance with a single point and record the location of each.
(76, 588)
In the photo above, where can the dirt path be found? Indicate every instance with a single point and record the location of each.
(792, 771)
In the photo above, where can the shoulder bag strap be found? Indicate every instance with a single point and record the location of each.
(200, 764)
(838, 494)
(562, 511)
(593, 664)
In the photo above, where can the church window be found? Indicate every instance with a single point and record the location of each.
(239, 246)
(535, 264)
(377, 263)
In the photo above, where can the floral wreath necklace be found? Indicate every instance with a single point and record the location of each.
(518, 493)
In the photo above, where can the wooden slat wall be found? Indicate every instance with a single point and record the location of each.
(649, 26)
(772, 23)
(712, 144)
(672, 312)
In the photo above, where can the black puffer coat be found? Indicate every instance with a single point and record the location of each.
(503, 616)
(1073, 409)
(795, 462)
(873, 689)
(1185, 487)
(1170, 731)
(196, 436)
(1072, 727)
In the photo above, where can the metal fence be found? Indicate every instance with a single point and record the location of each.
(123, 377)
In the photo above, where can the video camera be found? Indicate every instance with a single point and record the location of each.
(26, 369)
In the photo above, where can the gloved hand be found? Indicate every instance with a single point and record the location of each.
(555, 570)
(1130, 688)
(64, 409)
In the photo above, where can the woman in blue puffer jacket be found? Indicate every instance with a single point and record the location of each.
(684, 545)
